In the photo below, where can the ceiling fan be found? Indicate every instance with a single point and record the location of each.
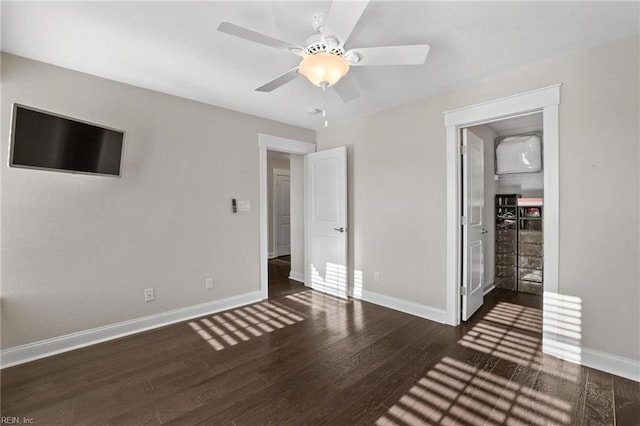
(325, 60)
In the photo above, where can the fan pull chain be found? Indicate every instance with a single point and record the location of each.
(324, 105)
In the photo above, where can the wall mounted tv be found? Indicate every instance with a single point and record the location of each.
(44, 140)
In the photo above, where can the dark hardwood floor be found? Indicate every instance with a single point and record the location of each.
(279, 284)
(305, 358)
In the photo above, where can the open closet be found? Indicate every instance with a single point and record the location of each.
(514, 203)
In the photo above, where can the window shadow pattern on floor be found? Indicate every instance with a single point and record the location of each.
(242, 324)
(471, 390)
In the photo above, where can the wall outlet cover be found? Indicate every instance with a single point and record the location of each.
(149, 294)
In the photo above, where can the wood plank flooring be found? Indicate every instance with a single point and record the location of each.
(305, 358)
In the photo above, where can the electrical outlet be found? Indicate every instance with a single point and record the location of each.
(149, 295)
(208, 284)
(376, 276)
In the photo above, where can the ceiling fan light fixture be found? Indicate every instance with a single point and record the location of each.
(323, 68)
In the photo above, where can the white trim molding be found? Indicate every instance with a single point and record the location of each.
(613, 364)
(272, 143)
(417, 309)
(296, 276)
(592, 358)
(488, 289)
(45, 348)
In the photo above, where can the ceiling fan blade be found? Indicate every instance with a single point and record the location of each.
(281, 80)
(392, 55)
(346, 89)
(342, 19)
(256, 37)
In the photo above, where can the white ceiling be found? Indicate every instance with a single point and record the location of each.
(173, 47)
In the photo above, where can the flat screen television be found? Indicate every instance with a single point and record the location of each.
(48, 141)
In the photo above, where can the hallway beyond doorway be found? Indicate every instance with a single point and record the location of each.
(279, 282)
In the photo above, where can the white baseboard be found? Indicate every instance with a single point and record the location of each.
(271, 255)
(296, 276)
(44, 348)
(592, 358)
(423, 311)
(488, 289)
(613, 364)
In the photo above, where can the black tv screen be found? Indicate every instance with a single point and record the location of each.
(44, 140)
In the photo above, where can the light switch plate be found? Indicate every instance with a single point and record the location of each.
(244, 206)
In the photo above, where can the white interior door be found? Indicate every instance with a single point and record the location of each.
(282, 184)
(326, 221)
(472, 223)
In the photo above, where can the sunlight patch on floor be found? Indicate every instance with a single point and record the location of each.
(242, 324)
(347, 320)
(317, 300)
(503, 333)
(453, 392)
(457, 393)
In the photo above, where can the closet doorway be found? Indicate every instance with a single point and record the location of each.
(513, 203)
(510, 111)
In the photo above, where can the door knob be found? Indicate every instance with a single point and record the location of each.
(341, 229)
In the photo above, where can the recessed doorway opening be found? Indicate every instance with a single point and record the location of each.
(285, 211)
(542, 101)
(510, 191)
(295, 151)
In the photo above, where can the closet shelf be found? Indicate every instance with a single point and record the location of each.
(519, 243)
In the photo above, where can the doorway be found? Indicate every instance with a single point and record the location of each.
(325, 207)
(285, 148)
(544, 101)
(285, 197)
(502, 191)
(280, 197)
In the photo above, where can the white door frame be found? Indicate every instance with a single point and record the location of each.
(274, 214)
(272, 143)
(545, 100)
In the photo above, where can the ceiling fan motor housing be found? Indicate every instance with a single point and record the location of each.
(323, 46)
